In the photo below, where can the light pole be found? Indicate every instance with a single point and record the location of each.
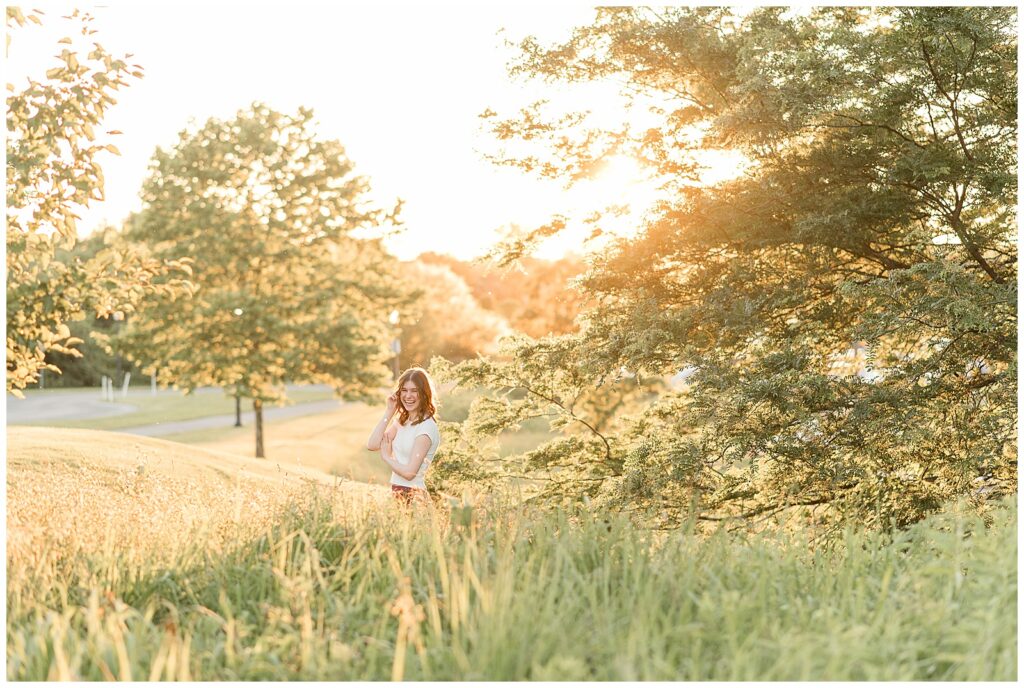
(238, 313)
(396, 343)
(118, 320)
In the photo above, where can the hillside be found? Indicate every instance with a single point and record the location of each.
(136, 558)
(333, 443)
(91, 491)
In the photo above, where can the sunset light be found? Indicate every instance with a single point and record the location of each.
(419, 342)
(622, 192)
(410, 124)
(455, 200)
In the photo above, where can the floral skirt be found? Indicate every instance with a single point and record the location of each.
(407, 494)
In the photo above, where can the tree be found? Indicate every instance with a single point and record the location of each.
(287, 291)
(535, 296)
(877, 215)
(91, 362)
(52, 170)
(545, 378)
(446, 321)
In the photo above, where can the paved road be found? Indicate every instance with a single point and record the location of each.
(227, 421)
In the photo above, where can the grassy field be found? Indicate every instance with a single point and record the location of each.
(165, 408)
(205, 566)
(333, 442)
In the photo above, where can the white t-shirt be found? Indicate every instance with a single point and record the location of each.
(405, 437)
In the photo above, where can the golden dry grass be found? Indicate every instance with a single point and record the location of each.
(131, 558)
(72, 490)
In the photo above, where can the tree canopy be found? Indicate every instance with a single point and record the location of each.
(53, 170)
(290, 287)
(845, 309)
(535, 296)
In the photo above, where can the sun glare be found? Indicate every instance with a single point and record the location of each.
(403, 167)
(619, 171)
(623, 192)
(722, 165)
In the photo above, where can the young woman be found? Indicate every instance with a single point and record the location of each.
(408, 446)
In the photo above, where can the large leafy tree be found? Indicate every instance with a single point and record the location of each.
(289, 290)
(53, 170)
(847, 306)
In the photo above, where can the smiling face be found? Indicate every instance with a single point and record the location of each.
(415, 396)
(410, 397)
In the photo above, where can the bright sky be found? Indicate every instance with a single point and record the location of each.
(401, 86)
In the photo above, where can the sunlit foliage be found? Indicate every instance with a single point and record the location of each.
(844, 312)
(537, 297)
(54, 144)
(447, 320)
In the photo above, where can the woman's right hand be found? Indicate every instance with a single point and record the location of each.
(392, 404)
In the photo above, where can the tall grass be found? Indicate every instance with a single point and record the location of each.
(328, 591)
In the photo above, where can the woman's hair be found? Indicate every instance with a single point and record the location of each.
(425, 385)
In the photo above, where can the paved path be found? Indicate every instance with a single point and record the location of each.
(227, 421)
(84, 404)
(75, 405)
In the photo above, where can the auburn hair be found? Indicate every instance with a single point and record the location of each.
(425, 385)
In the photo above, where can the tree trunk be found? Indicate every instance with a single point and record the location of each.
(238, 410)
(257, 406)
